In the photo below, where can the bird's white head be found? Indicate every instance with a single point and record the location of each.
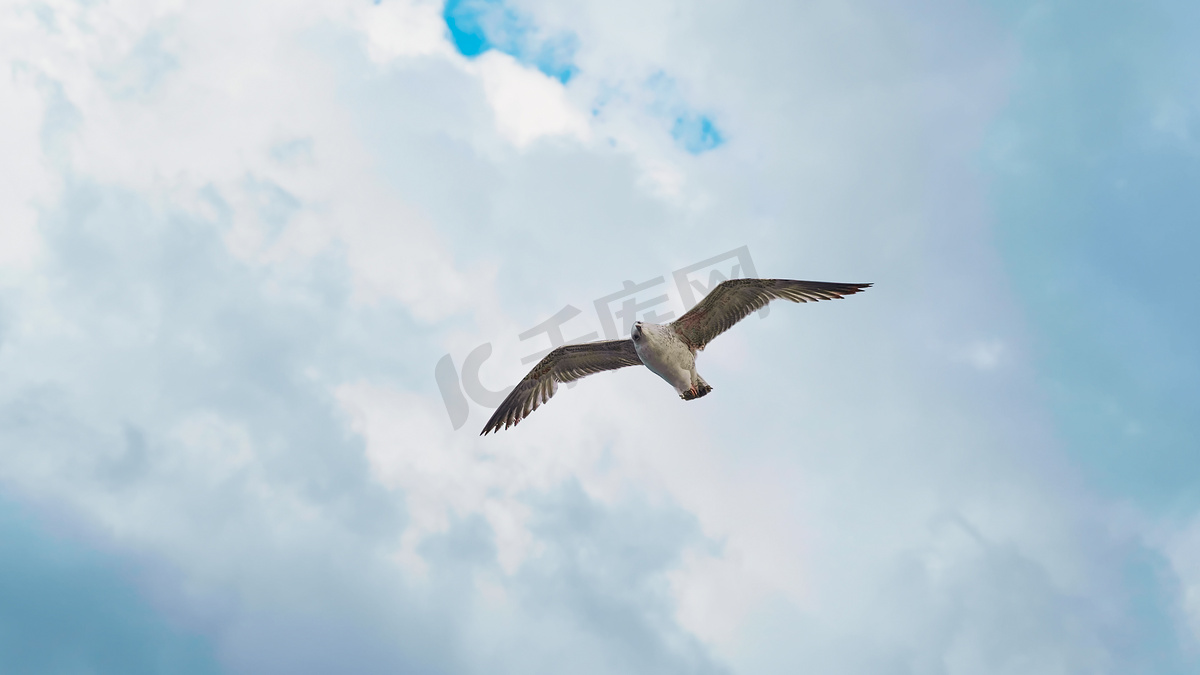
(644, 332)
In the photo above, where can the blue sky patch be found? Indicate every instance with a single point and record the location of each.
(696, 133)
(1097, 229)
(477, 26)
(64, 607)
(692, 130)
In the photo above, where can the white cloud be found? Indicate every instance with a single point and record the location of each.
(30, 182)
(1183, 550)
(214, 123)
(403, 30)
(527, 103)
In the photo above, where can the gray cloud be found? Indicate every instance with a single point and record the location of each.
(168, 332)
(65, 607)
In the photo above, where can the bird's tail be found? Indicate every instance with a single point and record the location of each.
(699, 388)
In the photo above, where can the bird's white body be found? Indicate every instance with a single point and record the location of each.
(661, 350)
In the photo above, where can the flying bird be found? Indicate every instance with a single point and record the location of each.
(668, 350)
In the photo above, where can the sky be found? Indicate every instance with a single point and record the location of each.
(266, 265)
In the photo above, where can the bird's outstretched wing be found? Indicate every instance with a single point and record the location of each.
(733, 300)
(564, 364)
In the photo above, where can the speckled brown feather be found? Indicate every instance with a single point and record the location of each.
(564, 364)
(733, 300)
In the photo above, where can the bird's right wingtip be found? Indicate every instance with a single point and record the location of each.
(851, 289)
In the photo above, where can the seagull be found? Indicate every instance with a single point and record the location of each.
(668, 350)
